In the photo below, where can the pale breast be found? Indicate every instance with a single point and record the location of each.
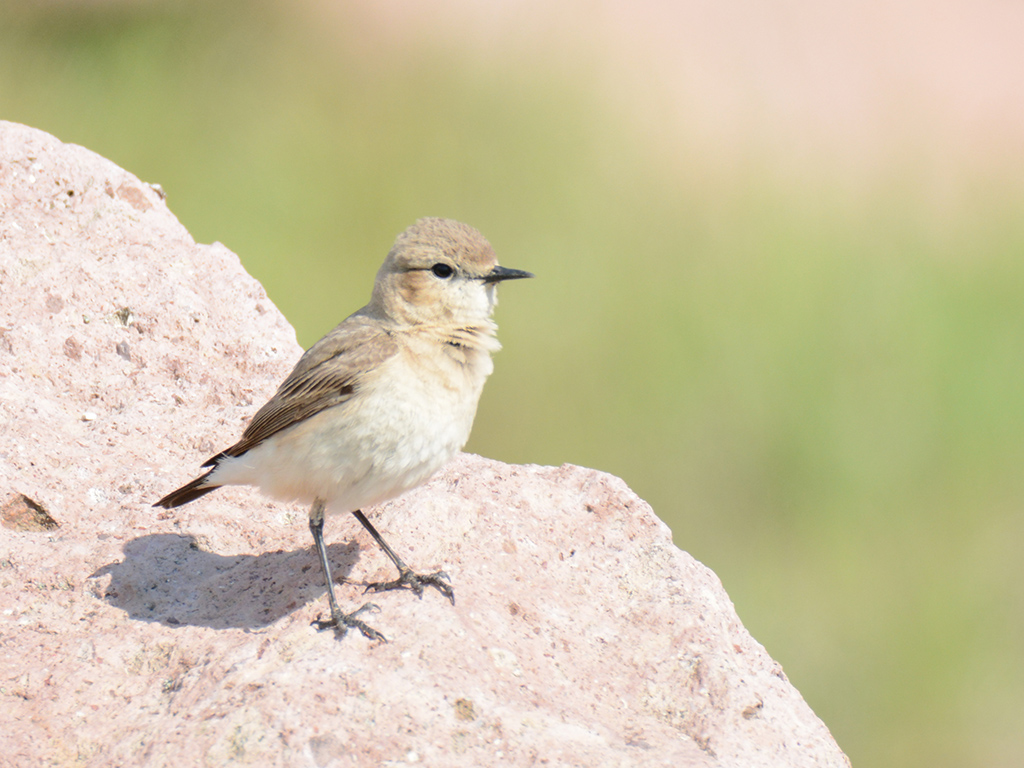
(404, 422)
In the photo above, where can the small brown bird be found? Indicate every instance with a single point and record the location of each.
(376, 406)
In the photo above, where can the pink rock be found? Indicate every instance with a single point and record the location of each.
(128, 354)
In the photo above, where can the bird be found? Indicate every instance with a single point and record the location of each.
(380, 403)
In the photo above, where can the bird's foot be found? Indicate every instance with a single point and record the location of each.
(342, 622)
(414, 581)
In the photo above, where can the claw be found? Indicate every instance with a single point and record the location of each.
(342, 622)
(414, 581)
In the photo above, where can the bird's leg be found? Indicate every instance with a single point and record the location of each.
(339, 621)
(406, 577)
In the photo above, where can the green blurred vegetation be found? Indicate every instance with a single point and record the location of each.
(819, 390)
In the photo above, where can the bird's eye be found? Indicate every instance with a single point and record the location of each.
(442, 270)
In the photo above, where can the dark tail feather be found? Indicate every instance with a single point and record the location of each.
(187, 493)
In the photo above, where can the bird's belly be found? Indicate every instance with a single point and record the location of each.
(374, 447)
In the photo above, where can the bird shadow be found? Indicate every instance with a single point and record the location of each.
(170, 579)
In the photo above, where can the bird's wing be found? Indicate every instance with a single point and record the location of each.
(328, 374)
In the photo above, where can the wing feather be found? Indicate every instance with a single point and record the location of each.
(327, 375)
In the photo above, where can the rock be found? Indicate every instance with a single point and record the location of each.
(128, 354)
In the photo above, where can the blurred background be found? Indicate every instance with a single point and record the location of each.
(780, 260)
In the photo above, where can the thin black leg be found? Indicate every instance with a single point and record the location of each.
(339, 621)
(406, 578)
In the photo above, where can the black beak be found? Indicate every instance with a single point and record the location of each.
(498, 274)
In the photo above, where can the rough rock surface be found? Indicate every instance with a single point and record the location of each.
(128, 636)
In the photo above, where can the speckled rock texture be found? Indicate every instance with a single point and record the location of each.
(581, 635)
